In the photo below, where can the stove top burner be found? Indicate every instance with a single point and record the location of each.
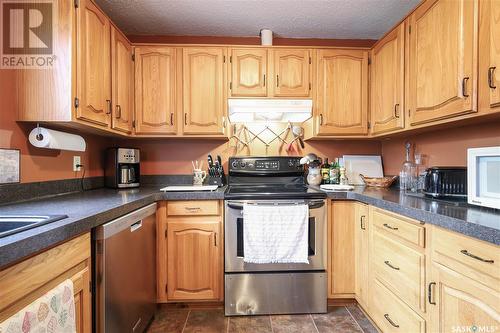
(273, 191)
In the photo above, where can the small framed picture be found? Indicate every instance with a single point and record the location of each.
(10, 160)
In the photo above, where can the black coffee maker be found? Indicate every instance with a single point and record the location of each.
(123, 168)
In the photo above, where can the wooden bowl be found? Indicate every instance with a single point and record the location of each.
(378, 182)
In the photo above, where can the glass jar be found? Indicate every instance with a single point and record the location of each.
(314, 176)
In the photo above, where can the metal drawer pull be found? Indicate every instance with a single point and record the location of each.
(467, 253)
(363, 225)
(389, 227)
(389, 264)
(192, 208)
(491, 70)
(386, 316)
(430, 293)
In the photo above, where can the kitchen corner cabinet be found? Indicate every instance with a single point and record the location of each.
(341, 229)
(93, 69)
(122, 71)
(28, 280)
(292, 72)
(489, 56)
(193, 241)
(387, 82)
(361, 253)
(442, 60)
(204, 93)
(342, 96)
(249, 72)
(155, 90)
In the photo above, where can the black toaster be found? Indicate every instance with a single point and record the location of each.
(446, 182)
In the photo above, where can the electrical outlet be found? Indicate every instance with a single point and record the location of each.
(76, 163)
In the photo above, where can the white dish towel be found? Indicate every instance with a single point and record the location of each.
(275, 234)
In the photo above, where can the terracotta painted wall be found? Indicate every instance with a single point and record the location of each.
(41, 164)
(441, 147)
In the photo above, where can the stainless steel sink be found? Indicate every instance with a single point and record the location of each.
(11, 224)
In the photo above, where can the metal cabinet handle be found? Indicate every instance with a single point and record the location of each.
(215, 239)
(321, 119)
(467, 253)
(362, 222)
(185, 119)
(264, 80)
(491, 70)
(108, 101)
(277, 80)
(386, 316)
(396, 110)
(192, 209)
(387, 262)
(464, 86)
(171, 118)
(118, 111)
(390, 227)
(430, 293)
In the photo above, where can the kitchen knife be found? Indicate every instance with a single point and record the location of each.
(210, 161)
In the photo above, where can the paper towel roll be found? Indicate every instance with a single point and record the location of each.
(266, 37)
(46, 138)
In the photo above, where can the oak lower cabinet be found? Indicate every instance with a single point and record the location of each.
(204, 93)
(155, 90)
(122, 70)
(249, 72)
(442, 60)
(26, 281)
(342, 94)
(361, 253)
(387, 82)
(190, 257)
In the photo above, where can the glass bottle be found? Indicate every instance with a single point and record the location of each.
(343, 178)
(408, 174)
(325, 172)
(334, 172)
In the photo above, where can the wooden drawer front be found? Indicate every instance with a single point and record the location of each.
(471, 257)
(401, 269)
(392, 315)
(180, 208)
(399, 226)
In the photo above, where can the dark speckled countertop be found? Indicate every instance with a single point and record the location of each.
(89, 209)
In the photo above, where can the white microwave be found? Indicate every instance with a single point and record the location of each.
(483, 176)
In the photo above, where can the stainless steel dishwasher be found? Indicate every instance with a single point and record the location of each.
(125, 272)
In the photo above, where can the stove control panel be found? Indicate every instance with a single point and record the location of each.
(267, 165)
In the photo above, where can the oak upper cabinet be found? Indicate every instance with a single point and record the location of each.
(248, 73)
(442, 60)
(361, 253)
(204, 82)
(489, 56)
(122, 70)
(387, 82)
(342, 101)
(155, 90)
(292, 72)
(93, 68)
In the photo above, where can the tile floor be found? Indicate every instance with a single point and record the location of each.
(338, 319)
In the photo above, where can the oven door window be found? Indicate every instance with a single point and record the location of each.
(311, 236)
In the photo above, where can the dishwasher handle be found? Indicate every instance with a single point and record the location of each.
(135, 226)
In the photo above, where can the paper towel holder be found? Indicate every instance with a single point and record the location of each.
(39, 136)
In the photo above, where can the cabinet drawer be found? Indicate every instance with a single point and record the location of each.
(399, 226)
(182, 208)
(471, 257)
(401, 269)
(392, 315)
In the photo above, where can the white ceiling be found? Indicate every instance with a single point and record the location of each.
(345, 19)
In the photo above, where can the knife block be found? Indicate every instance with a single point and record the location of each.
(217, 180)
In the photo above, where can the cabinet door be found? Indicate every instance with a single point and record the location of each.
(387, 82)
(494, 68)
(442, 60)
(459, 302)
(194, 258)
(203, 90)
(292, 73)
(122, 71)
(83, 301)
(93, 68)
(342, 92)
(248, 72)
(361, 251)
(155, 83)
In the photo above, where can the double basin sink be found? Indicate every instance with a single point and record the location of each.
(11, 224)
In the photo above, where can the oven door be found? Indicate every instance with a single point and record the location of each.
(234, 237)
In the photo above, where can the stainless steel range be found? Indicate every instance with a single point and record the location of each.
(273, 288)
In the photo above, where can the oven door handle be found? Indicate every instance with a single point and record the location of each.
(311, 204)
